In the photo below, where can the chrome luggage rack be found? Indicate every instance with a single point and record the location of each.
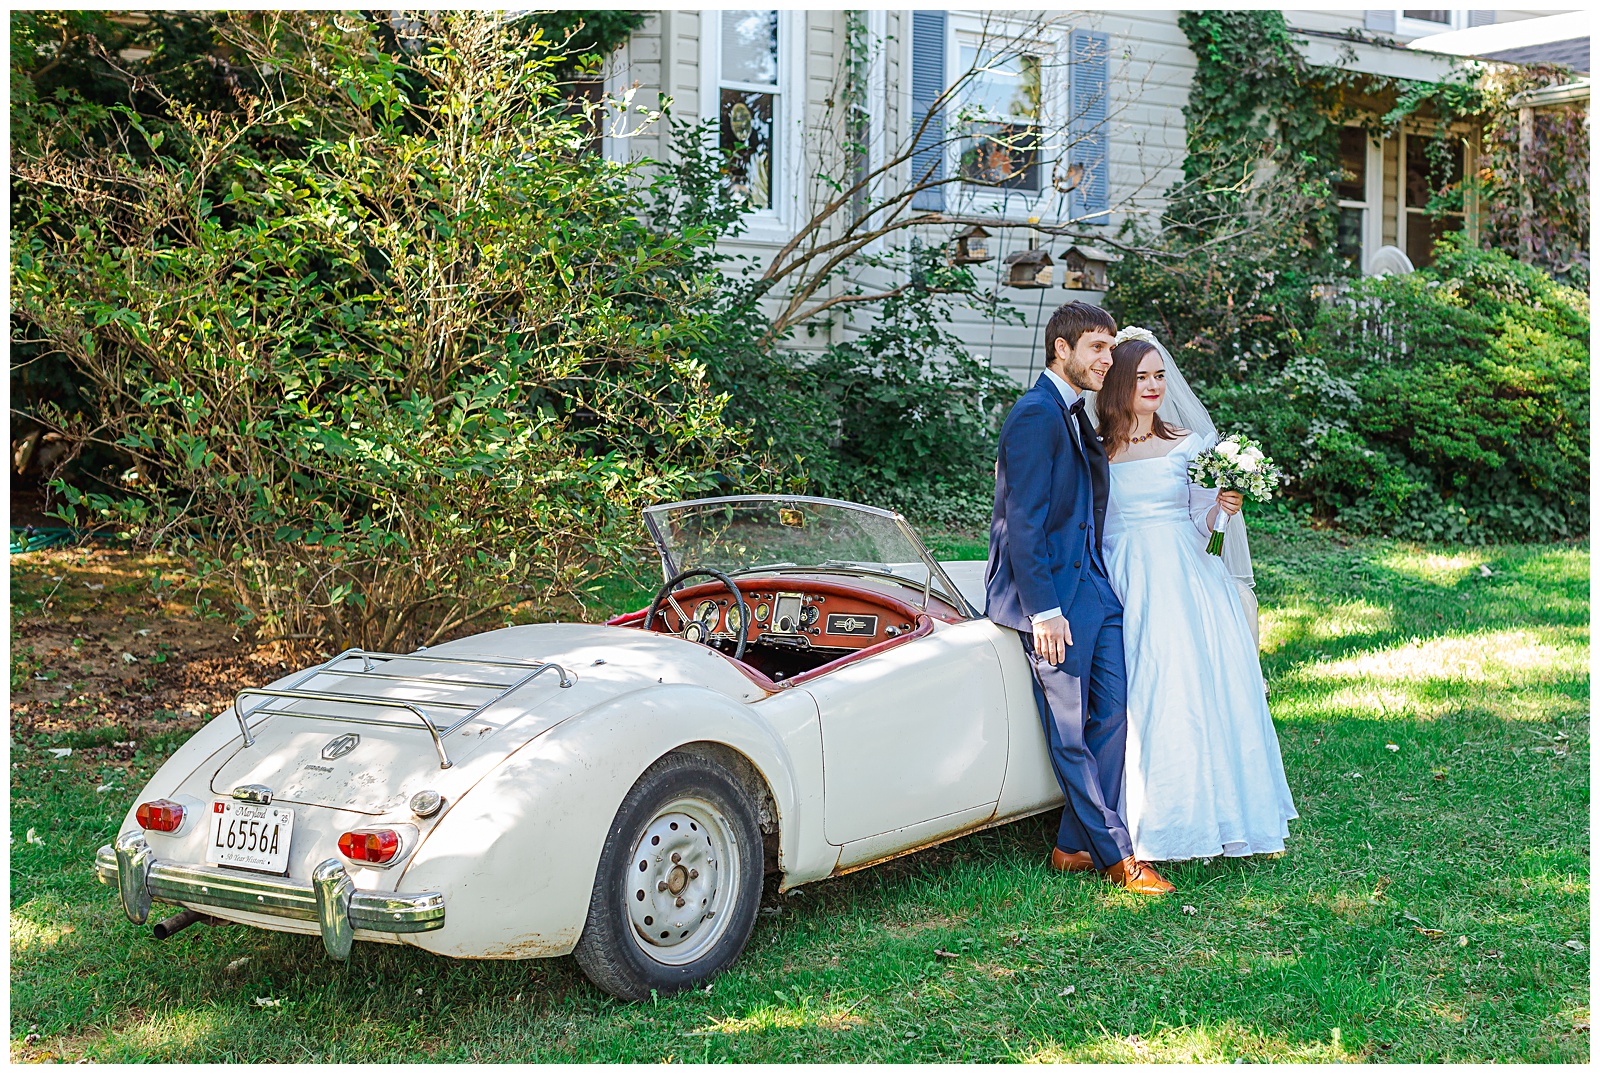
(371, 662)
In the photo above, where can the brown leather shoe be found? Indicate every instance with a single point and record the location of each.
(1076, 862)
(1137, 876)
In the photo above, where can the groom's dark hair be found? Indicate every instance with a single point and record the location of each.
(1072, 320)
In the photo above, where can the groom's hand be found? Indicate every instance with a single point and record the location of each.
(1051, 638)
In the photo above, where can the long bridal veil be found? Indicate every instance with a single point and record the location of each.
(1183, 409)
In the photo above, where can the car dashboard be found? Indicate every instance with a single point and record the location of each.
(799, 625)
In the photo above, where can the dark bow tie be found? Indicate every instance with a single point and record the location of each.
(1077, 407)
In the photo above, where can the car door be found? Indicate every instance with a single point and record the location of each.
(913, 734)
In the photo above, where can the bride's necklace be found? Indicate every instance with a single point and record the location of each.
(1142, 439)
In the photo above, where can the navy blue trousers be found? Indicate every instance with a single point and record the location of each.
(1083, 704)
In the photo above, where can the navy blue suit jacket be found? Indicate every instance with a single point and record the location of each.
(1045, 495)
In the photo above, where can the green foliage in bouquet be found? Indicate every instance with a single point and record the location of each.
(1448, 404)
(424, 361)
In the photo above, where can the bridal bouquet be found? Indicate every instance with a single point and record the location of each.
(1235, 464)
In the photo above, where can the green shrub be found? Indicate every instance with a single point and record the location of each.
(917, 414)
(900, 415)
(1447, 404)
(427, 362)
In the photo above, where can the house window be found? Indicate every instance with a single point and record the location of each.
(1413, 24)
(748, 103)
(1352, 191)
(1434, 191)
(1000, 111)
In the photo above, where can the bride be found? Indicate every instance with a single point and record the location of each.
(1203, 775)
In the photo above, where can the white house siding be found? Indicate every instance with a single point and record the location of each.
(1151, 71)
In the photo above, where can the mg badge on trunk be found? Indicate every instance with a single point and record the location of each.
(340, 746)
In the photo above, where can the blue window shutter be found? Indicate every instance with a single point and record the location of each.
(1381, 21)
(1091, 85)
(927, 83)
(1480, 18)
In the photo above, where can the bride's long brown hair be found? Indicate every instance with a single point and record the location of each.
(1113, 403)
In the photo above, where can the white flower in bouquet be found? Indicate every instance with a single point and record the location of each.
(1235, 464)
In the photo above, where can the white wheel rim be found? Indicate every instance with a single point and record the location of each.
(681, 882)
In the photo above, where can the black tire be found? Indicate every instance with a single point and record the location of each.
(698, 813)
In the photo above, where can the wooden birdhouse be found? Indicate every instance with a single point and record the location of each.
(1085, 268)
(971, 247)
(1029, 268)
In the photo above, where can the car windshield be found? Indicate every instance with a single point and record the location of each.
(745, 534)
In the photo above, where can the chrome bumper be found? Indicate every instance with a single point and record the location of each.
(331, 899)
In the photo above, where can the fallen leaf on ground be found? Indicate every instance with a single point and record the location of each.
(236, 963)
(1430, 932)
(104, 787)
(939, 952)
(1067, 991)
(65, 751)
(129, 658)
(1191, 911)
(267, 1001)
(1576, 945)
(1391, 747)
(1461, 942)
(33, 837)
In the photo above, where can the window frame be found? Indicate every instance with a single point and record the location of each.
(876, 108)
(1405, 27)
(966, 28)
(1403, 209)
(776, 223)
(1372, 205)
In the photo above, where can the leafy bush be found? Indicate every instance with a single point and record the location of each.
(900, 415)
(1447, 404)
(428, 366)
(917, 414)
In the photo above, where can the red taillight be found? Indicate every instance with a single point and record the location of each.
(369, 844)
(162, 815)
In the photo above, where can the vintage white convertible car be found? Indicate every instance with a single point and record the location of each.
(809, 693)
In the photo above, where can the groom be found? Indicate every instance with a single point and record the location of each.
(1047, 581)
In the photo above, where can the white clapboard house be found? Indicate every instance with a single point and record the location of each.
(1069, 119)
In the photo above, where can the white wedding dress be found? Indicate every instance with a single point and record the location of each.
(1203, 774)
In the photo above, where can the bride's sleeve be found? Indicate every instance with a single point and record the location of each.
(1201, 499)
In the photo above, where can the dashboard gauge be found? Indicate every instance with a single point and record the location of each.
(762, 611)
(735, 616)
(809, 615)
(707, 614)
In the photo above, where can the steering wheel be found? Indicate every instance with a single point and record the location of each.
(665, 594)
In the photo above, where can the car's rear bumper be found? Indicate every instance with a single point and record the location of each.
(330, 899)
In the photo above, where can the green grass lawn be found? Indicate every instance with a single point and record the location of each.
(1432, 704)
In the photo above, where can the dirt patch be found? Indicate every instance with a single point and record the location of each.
(111, 644)
(922, 924)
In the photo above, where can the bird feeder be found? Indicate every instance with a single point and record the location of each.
(1029, 268)
(971, 247)
(1085, 268)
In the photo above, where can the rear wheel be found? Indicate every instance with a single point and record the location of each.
(679, 881)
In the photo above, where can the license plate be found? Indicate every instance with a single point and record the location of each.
(250, 836)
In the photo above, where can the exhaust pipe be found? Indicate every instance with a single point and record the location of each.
(180, 921)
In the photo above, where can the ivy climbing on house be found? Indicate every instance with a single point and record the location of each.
(1254, 98)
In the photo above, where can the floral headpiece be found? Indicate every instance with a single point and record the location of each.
(1133, 331)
